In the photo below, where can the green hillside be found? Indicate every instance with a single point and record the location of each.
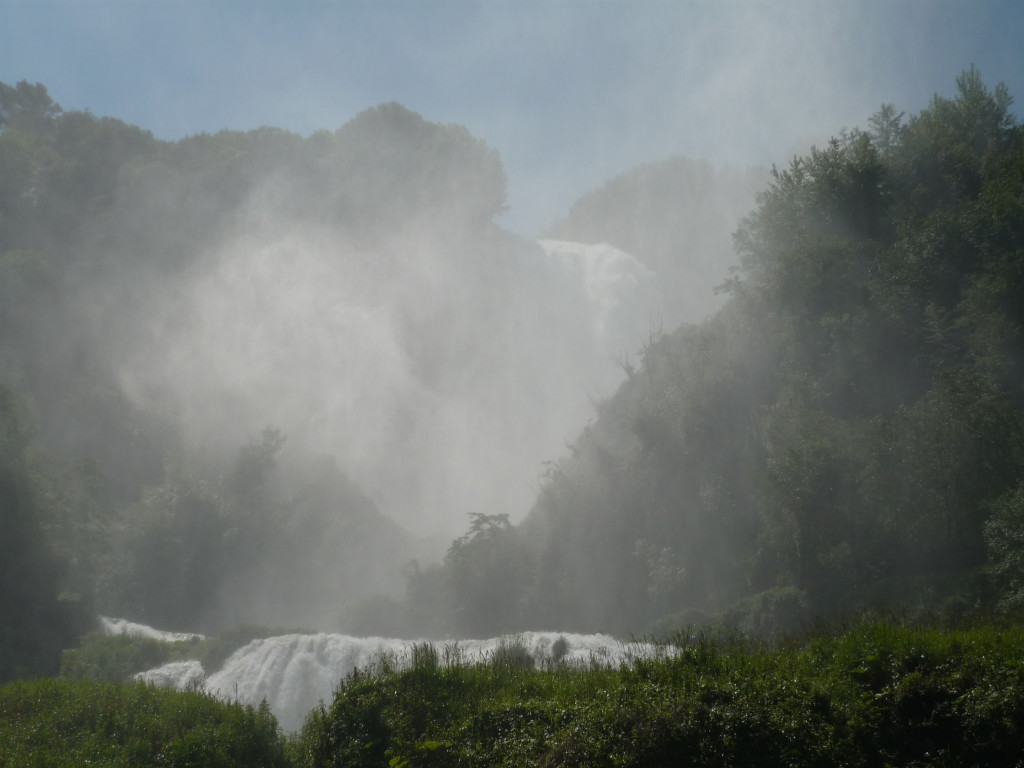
(846, 432)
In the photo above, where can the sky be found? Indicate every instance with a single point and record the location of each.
(571, 93)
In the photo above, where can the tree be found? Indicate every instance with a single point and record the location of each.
(25, 106)
(844, 425)
(485, 576)
(38, 618)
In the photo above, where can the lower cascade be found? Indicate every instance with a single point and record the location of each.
(294, 673)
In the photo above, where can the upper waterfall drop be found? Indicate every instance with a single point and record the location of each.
(620, 297)
(111, 626)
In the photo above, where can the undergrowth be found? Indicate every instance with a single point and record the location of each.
(881, 693)
(874, 693)
(116, 658)
(69, 724)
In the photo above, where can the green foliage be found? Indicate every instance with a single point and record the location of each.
(254, 464)
(63, 723)
(388, 167)
(841, 432)
(873, 693)
(770, 614)
(484, 577)
(25, 106)
(880, 693)
(103, 231)
(848, 424)
(38, 616)
(1004, 535)
(115, 658)
(175, 539)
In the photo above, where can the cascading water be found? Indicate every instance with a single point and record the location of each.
(132, 629)
(619, 293)
(182, 675)
(603, 301)
(294, 673)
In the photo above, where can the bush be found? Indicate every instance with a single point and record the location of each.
(879, 693)
(115, 658)
(64, 723)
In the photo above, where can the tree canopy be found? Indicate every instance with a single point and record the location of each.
(846, 432)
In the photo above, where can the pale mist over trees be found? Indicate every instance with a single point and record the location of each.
(309, 382)
(845, 433)
(259, 377)
(677, 217)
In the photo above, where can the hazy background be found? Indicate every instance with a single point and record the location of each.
(360, 286)
(289, 330)
(569, 92)
(289, 361)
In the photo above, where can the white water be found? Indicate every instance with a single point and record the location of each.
(294, 673)
(620, 293)
(183, 675)
(132, 629)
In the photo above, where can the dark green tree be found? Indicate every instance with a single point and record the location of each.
(25, 106)
(39, 616)
(840, 433)
(485, 575)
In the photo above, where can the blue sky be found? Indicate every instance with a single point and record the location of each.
(570, 92)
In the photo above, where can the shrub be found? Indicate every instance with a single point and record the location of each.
(65, 723)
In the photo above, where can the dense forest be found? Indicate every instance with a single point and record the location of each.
(227, 363)
(845, 431)
(122, 494)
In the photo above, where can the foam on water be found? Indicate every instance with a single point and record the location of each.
(183, 675)
(294, 673)
(132, 629)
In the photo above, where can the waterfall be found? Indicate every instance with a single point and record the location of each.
(124, 627)
(619, 294)
(294, 673)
